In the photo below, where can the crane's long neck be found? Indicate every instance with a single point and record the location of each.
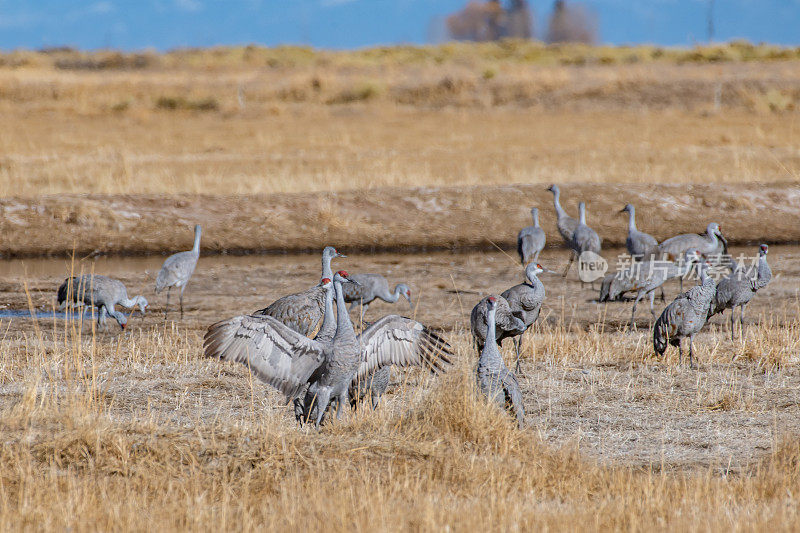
(763, 272)
(328, 329)
(392, 297)
(535, 219)
(326, 266)
(632, 220)
(490, 354)
(196, 247)
(557, 204)
(343, 324)
(583, 215)
(129, 303)
(712, 238)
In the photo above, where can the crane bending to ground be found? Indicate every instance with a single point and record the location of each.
(302, 311)
(710, 244)
(685, 316)
(525, 301)
(177, 270)
(495, 380)
(531, 240)
(101, 292)
(738, 288)
(370, 287)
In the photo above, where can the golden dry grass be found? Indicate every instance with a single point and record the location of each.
(207, 123)
(138, 432)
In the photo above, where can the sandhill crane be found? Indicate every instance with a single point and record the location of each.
(653, 274)
(495, 380)
(738, 288)
(585, 239)
(685, 316)
(531, 240)
(506, 324)
(177, 269)
(525, 301)
(370, 287)
(565, 223)
(302, 311)
(290, 362)
(101, 292)
(639, 244)
(711, 244)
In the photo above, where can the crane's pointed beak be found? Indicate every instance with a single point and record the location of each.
(341, 255)
(354, 282)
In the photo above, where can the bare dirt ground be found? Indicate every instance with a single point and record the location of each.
(587, 380)
(386, 219)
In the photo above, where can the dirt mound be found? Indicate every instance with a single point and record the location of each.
(385, 219)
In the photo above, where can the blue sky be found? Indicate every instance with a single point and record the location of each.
(165, 24)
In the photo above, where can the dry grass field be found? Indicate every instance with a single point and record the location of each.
(402, 150)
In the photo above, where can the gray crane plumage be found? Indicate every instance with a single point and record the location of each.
(302, 311)
(738, 288)
(713, 242)
(324, 367)
(178, 269)
(525, 301)
(288, 360)
(102, 292)
(685, 316)
(506, 324)
(649, 275)
(494, 379)
(531, 240)
(640, 245)
(369, 287)
(585, 239)
(566, 224)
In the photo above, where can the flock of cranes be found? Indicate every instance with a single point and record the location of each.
(307, 347)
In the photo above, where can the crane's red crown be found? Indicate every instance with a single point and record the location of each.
(343, 273)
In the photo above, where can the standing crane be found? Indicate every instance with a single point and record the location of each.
(177, 269)
(711, 244)
(302, 311)
(685, 316)
(639, 244)
(101, 292)
(585, 239)
(495, 380)
(370, 287)
(525, 301)
(565, 223)
(738, 288)
(506, 324)
(531, 240)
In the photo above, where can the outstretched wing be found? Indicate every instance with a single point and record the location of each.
(401, 341)
(273, 352)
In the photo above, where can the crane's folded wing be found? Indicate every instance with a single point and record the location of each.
(272, 351)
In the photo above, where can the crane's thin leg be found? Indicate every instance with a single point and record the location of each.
(741, 321)
(518, 348)
(733, 314)
(352, 306)
(166, 308)
(691, 352)
(639, 295)
(680, 280)
(101, 317)
(181, 299)
(680, 352)
(663, 299)
(652, 299)
(364, 311)
(571, 259)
